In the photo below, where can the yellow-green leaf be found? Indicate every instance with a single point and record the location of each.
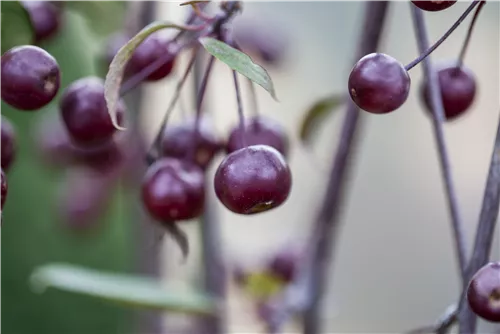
(316, 115)
(135, 291)
(262, 285)
(239, 62)
(116, 70)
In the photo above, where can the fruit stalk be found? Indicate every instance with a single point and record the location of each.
(327, 224)
(438, 117)
(447, 34)
(240, 108)
(469, 33)
(485, 234)
(152, 155)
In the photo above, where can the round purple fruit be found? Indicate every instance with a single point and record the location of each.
(179, 141)
(253, 179)
(173, 190)
(483, 292)
(379, 83)
(30, 77)
(85, 113)
(458, 90)
(8, 144)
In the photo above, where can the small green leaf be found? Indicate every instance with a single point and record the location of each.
(316, 114)
(239, 62)
(16, 25)
(116, 70)
(130, 290)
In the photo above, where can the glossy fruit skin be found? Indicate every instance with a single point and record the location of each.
(483, 292)
(173, 190)
(433, 6)
(258, 131)
(85, 114)
(4, 187)
(253, 179)
(178, 141)
(45, 18)
(458, 90)
(150, 50)
(30, 77)
(8, 144)
(379, 83)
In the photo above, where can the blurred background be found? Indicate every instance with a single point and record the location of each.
(394, 268)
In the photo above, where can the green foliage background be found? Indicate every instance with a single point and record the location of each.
(31, 232)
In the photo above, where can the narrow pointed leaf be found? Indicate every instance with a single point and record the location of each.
(16, 25)
(194, 2)
(316, 115)
(239, 62)
(116, 70)
(135, 291)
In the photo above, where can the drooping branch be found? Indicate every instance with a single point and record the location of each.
(438, 117)
(305, 292)
(327, 224)
(485, 233)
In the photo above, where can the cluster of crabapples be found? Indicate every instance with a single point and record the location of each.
(254, 175)
(380, 84)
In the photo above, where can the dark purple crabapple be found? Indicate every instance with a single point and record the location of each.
(173, 190)
(178, 141)
(45, 18)
(8, 144)
(258, 131)
(4, 188)
(284, 265)
(253, 179)
(458, 90)
(30, 77)
(433, 6)
(154, 47)
(83, 198)
(483, 292)
(85, 113)
(379, 83)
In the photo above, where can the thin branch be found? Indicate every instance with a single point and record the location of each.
(199, 102)
(469, 33)
(214, 28)
(151, 156)
(433, 47)
(442, 325)
(240, 108)
(485, 233)
(213, 263)
(438, 113)
(308, 288)
(327, 224)
(253, 98)
(147, 259)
